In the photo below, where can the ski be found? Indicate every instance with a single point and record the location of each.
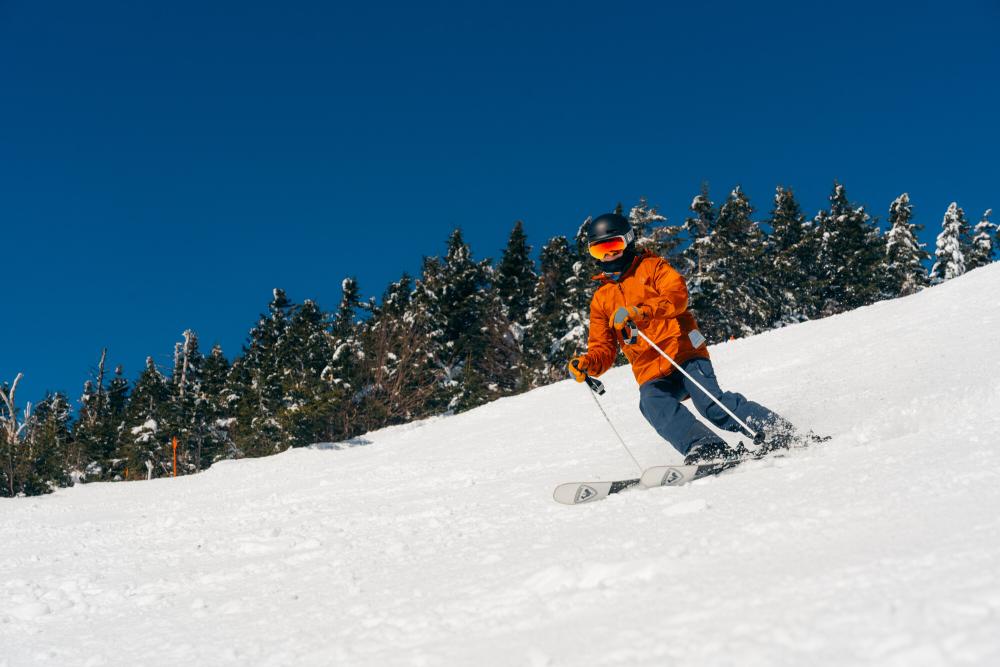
(576, 493)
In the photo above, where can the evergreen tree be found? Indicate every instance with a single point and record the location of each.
(501, 368)
(218, 443)
(118, 396)
(905, 255)
(515, 275)
(93, 435)
(190, 413)
(652, 232)
(450, 309)
(698, 227)
(255, 383)
(326, 380)
(429, 335)
(545, 346)
(95, 431)
(145, 443)
(950, 258)
(397, 297)
(851, 255)
(645, 219)
(47, 446)
(733, 299)
(346, 316)
(582, 240)
(996, 230)
(581, 287)
(792, 248)
(983, 250)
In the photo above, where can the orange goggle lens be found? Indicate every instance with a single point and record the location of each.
(612, 245)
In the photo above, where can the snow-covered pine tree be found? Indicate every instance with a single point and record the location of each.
(996, 240)
(653, 233)
(983, 250)
(336, 405)
(698, 227)
(515, 275)
(218, 443)
(734, 274)
(546, 347)
(904, 266)
(429, 334)
(581, 287)
(256, 383)
(644, 219)
(851, 255)
(450, 304)
(511, 284)
(118, 393)
(501, 368)
(145, 443)
(95, 433)
(580, 240)
(792, 248)
(47, 446)
(118, 397)
(189, 418)
(949, 255)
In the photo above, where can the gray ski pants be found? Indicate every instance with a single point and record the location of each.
(660, 403)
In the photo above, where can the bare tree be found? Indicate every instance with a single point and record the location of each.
(400, 380)
(10, 432)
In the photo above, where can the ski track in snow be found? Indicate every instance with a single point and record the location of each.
(439, 544)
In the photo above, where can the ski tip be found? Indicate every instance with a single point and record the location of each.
(576, 493)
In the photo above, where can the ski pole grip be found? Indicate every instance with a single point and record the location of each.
(595, 385)
(630, 334)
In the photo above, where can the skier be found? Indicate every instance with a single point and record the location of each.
(643, 288)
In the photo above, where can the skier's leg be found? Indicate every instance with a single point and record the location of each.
(754, 414)
(659, 402)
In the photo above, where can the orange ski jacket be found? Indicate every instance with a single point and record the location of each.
(659, 291)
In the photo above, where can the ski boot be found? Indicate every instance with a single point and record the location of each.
(782, 435)
(711, 450)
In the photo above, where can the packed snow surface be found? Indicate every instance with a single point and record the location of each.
(438, 543)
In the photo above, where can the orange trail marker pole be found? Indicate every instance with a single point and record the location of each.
(175, 456)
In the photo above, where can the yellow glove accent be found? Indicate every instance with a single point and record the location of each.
(578, 368)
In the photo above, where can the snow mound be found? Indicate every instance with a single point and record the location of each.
(438, 542)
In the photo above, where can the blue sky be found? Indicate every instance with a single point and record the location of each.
(163, 166)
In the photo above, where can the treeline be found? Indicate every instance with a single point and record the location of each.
(462, 333)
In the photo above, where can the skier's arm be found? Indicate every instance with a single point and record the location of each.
(672, 294)
(602, 345)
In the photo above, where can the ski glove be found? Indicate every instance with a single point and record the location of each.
(625, 313)
(578, 368)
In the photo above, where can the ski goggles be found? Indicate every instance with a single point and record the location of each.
(599, 249)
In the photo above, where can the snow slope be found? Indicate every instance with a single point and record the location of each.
(438, 543)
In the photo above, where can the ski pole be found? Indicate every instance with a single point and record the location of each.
(634, 330)
(597, 389)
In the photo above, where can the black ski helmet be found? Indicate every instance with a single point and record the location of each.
(608, 226)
